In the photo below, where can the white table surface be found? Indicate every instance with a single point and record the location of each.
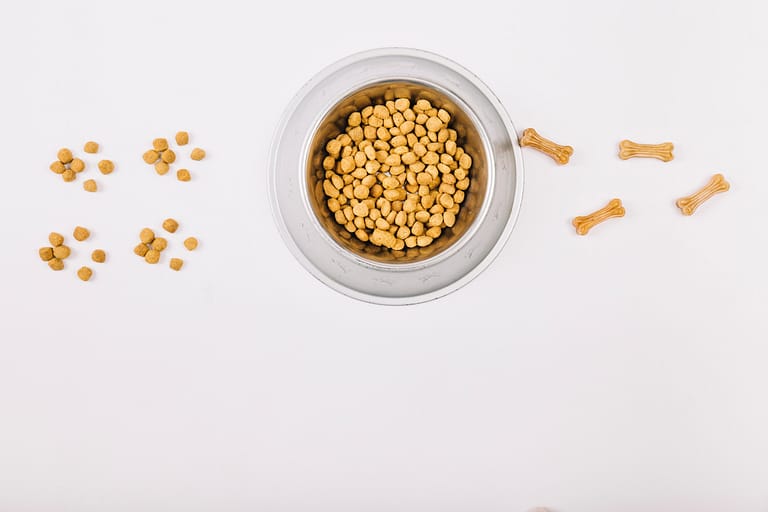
(625, 370)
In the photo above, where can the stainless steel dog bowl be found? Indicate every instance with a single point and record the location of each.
(364, 271)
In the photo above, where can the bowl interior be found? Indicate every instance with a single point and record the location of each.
(469, 137)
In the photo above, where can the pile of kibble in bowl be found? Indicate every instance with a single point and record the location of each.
(396, 177)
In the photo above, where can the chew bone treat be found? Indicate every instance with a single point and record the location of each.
(584, 223)
(716, 185)
(629, 149)
(558, 153)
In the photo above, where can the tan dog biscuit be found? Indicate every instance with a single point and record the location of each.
(716, 185)
(584, 223)
(629, 149)
(558, 153)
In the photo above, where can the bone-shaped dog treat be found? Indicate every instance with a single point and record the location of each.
(716, 185)
(584, 223)
(560, 154)
(629, 149)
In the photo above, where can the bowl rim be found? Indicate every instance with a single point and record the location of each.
(273, 166)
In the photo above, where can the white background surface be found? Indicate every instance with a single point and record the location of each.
(624, 370)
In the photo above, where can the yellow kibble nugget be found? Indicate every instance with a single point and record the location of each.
(146, 236)
(168, 156)
(152, 256)
(170, 225)
(176, 264)
(68, 175)
(182, 138)
(84, 273)
(159, 244)
(64, 155)
(197, 154)
(91, 147)
(57, 167)
(99, 256)
(56, 264)
(62, 252)
(55, 239)
(80, 233)
(190, 243)
(90, 186)
(183, 175)
(77, 165)
(141, 250)
(150, 156)
(46, 253)
(106, 166)
(161, 168)
(160, 144)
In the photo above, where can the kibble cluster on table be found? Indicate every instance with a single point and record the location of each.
(151, 247)
(69, 166)
(162, 156)
(57, 252)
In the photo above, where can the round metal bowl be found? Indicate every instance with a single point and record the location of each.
(364, 271)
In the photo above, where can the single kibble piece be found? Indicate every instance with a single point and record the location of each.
(56, 264)
(58, 167)
(151, 156)
(152, 256)
(62, 252)
(68, 175)
(55, 239)
(141, 250)
(84, 273)
(146, 236)
(99, 256)
(81, 233)
(46, 253)
(106, 166)
(190, 243)
(168, 156)
(77, 165)
(197, 154)
(170, 225)
(160, 144)
(64, 155)
(182, 138)
(90, 186)
(176, 264)
(162, 168)
(91, 147)
(183, 175)
(159, 244)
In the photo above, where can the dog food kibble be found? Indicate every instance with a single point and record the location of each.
(84, 273)
(190, 243)
(159, 244)
(55, 239)
(90, 186)
(91, 147)
(62, 252)
(170, 225)
(176, 264)
(77, 165)
(141, 250)
(160, 144)
(182, 138)
(397, 176)
(151, 156)
(46, 253)
(197, 154)
(56, 264)
(168, 156)
(183, 175)
(98, 256)
(64, 155)
(81, 233)
(106, 166)
(152, 256)
(68, 175)
(162, 168)
(146, 236)
(58, 167)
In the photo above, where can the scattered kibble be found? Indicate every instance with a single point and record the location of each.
(91, 147)
(151, 156)
(56, 264)
(99, 256)
(197, 154)
(55, 239)
(160, 144)
(146, 236)
(106, 166)
(62, 252)
(90, 186)
(77, 165)
(68, 175)
(80, 233)
(162, 168)
(141, 250)
(190, 243)
(58, 167)
(183, 175)
(182, 138)
(159, 244)
(84, 273)
(168, 156)
(46, 253)
(170, 225)
(64, 155)
(176, 264)
(152, 256)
